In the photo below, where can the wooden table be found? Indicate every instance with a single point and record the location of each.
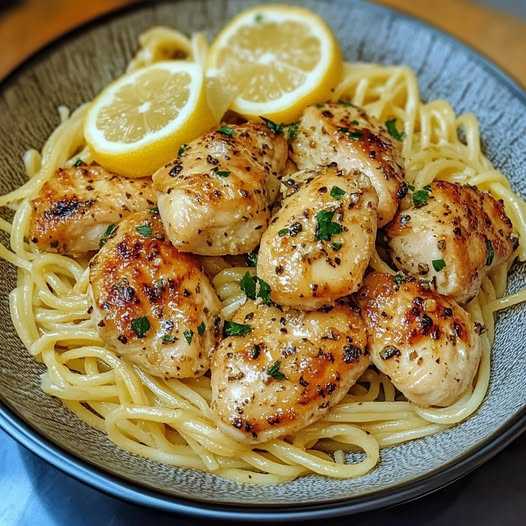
(28, 26)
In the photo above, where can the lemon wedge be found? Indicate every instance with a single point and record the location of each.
(289, 54)
(137, 124)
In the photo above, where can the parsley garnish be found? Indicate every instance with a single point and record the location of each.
(347, 103)
(154, 210)
(336, 246)
(283, 232)
(393, 131)
(181, 150)
(108, 234)
(168, 338)
(251, 259)
(258, 18)
(337, 192)
(226, 130)
(201, 328)
(325, 227)
(399, 279)
(438, 264)
(293, 230)
(231, 328)
(276, 128)
(352, 134)
(78, 162)
(255, 287)
(221, 173)
(140, 326)
(490, 252)
(188, 335)
(274, 371)
(144, 230)
(292, 131)
(420, 197)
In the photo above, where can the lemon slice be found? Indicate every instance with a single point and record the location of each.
(293, 56)
(137, 124)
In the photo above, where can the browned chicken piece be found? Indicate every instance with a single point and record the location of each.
(344, 134)
(426, 343)
(279, 371)
(77, 205)
(451, 234)
(153, 304)
(215, 198)
(319, 243)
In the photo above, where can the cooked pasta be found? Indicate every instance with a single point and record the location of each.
(170, 421)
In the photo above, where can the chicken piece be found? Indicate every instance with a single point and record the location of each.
(281, 371)
(319, 243)
(77, 205)
(426, 343)
(345, 134)
(215, 198)
(153, 304)
(452, 235)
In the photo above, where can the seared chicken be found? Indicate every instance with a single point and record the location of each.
(280, 371)
(215, 198)
(77, 205)
(153, 304)
(319, 243)
(346, 135)
(452, 234)
(426, 343)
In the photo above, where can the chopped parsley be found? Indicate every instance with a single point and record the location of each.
(181, 150)
(221, 173)
(271, 125)
(274, 371)
(255, 287)
(490, 252)
(352, 134)
(438, 264)
(201, 328)
(168, 338)
(399, 279)
(140, 326)
(251, 259)
(393, 130)
(421, 197)
(336, 246)
(292, 230)
(283, 232)
(255, 351)
(78, 162)
(347, 103)
(188, 335)
(292, 130)
(154, 210)
(108, 234)
(231, 328)
(258, 18)
(144, 230)
(326, 227)
(337, 192)
(226, 130)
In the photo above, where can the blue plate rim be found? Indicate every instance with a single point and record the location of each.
(112, 485)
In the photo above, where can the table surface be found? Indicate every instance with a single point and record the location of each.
(36, 494)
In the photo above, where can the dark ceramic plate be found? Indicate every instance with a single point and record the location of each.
(71, 71)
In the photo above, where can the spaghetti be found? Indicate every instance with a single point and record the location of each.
(170, 421)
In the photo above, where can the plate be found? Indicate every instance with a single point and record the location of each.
(72, 70)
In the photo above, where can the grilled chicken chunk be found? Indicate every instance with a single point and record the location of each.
(452, 234)
(215, 198)
(285, 369)
(346, 135)
(76, 206)
(426, 343)
(319, 243)
(153, 304)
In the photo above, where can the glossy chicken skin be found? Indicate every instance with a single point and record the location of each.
(346, 135)
(153, 304)
(453, 238)
(426, 343)
(319, 243)
(215, 198)
(287, 371)
(75, 207)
